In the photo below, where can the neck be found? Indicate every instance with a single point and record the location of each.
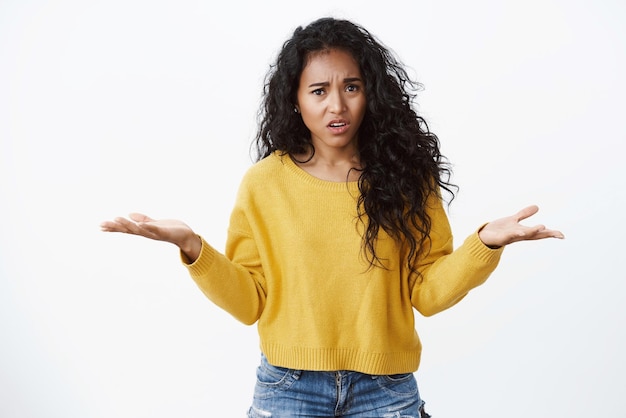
(331, 166)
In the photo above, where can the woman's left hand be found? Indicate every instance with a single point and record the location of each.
(507, 230)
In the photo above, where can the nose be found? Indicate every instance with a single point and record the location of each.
(336, 103)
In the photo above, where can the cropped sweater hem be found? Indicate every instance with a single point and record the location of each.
(334, 358)
(293, 264)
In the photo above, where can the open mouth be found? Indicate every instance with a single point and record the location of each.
(338, 124)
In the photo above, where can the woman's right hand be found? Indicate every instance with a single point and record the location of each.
(168, 230)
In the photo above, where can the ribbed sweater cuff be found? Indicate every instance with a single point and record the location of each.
(203, 263)
(482, 252)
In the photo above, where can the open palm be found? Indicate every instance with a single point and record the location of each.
(169, 230)
(507, 230)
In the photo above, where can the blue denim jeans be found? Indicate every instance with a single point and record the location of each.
(281, 393)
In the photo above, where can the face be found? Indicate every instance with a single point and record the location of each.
(331, 101)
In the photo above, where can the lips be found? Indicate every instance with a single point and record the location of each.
(338, 126)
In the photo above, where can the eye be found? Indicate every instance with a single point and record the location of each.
(352, 88)
(318, 92)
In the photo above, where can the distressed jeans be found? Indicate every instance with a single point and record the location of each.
(282, 393)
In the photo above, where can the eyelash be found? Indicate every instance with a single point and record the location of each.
(350, 87)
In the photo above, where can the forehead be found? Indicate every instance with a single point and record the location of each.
(330, 61)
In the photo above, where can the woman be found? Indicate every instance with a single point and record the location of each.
(339, 232)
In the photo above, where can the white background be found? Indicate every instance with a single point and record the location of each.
(108, 107)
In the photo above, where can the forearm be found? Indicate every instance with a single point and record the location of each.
(450, 277)
(229, 285)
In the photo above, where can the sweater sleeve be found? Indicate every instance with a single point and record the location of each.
(447, 275)
(234, 281)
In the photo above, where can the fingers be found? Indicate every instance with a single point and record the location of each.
(507, 230)
(116, 225)
(549, 233)
(541, 232)
(108, 226)
(140, 217)
(527, 212)
(538, 231)
(121, 224)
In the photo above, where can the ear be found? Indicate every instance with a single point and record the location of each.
(296, 108)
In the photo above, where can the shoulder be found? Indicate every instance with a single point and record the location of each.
(264, 175)
(265, 169)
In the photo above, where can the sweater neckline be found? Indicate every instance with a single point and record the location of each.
(296, 170)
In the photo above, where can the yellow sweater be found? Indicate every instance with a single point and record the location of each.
(294, 263)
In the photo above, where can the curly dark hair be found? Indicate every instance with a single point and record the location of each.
(401, 160)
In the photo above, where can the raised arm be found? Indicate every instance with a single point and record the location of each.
(233, 282)
(447, 275)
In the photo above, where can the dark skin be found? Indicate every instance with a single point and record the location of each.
(495, 234)
(331, 101)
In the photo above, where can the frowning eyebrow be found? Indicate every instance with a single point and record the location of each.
(345, 80)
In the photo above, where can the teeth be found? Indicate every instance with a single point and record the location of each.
(337, 125)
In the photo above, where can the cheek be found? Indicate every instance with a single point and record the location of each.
(310, 113)
(363, 105)
(306, 119)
